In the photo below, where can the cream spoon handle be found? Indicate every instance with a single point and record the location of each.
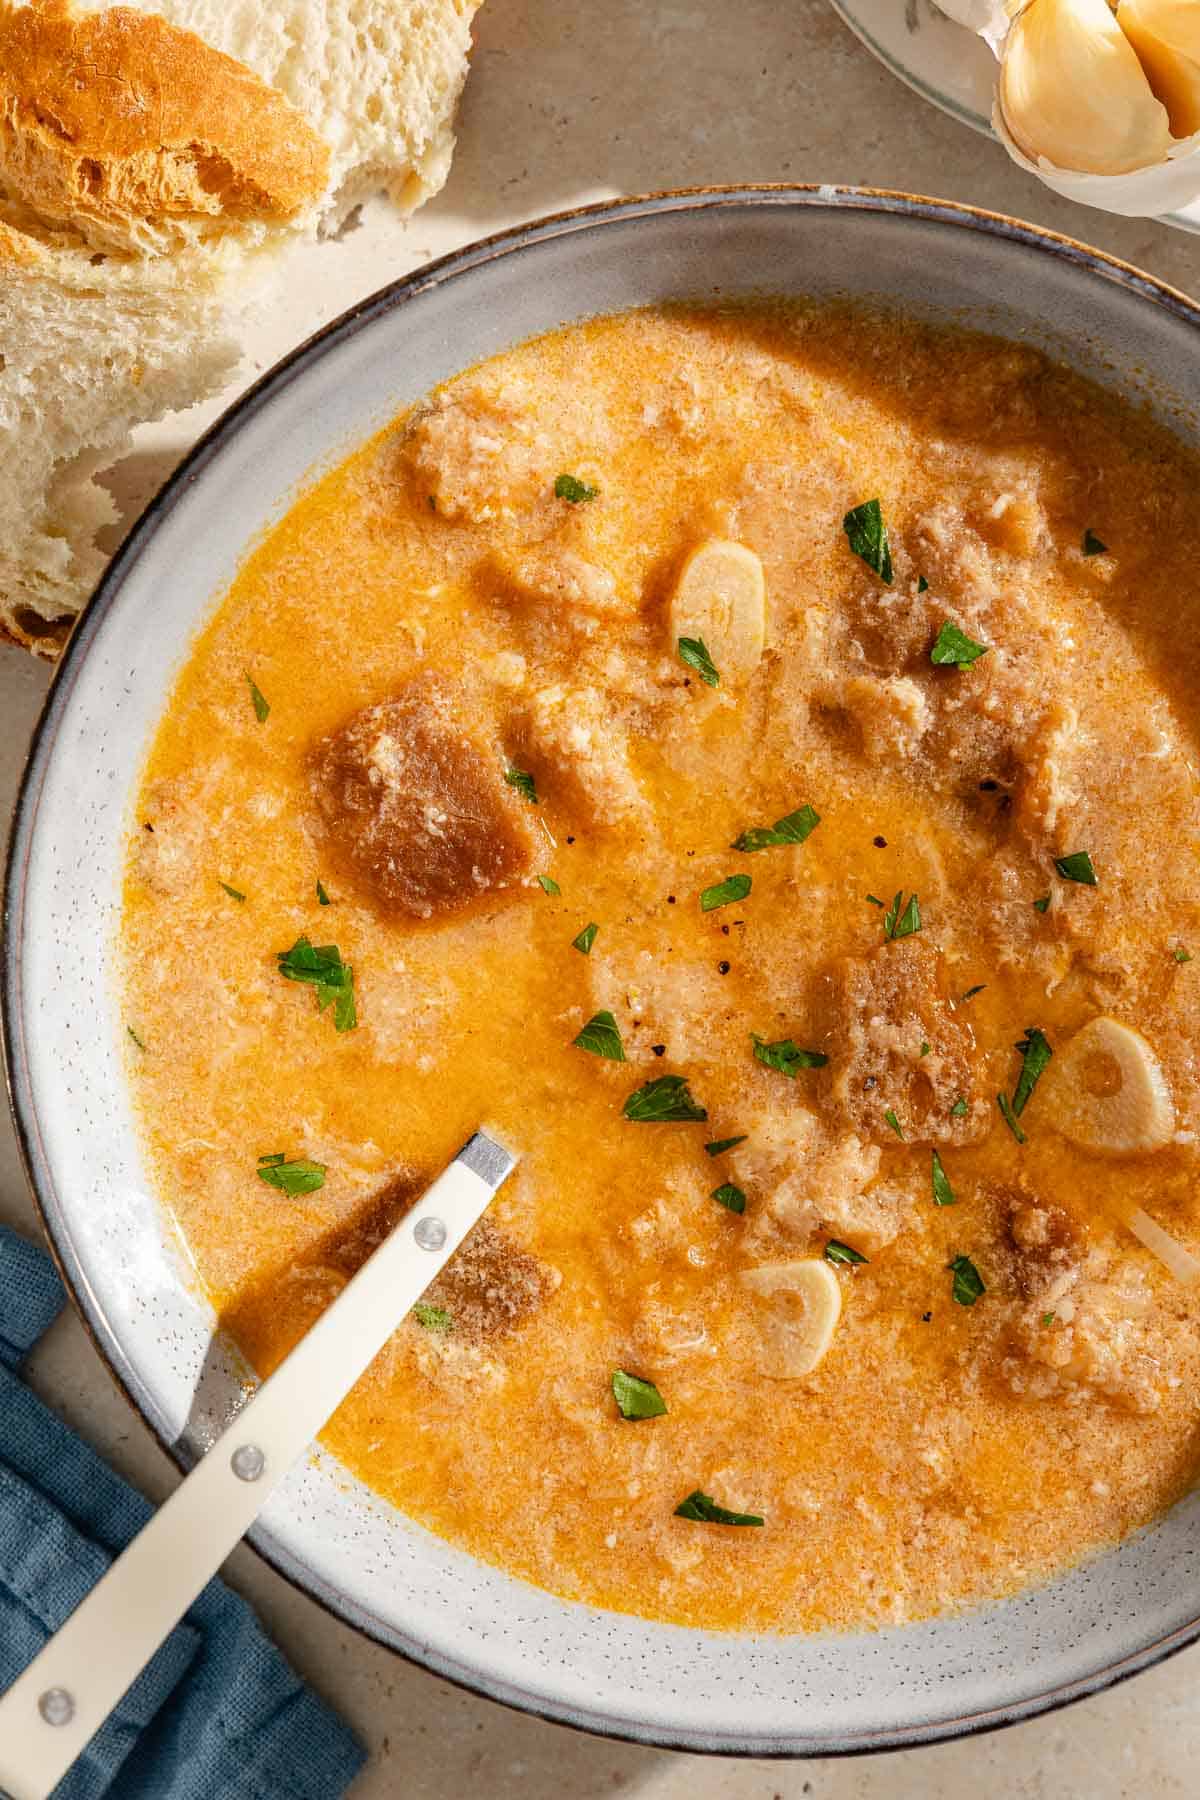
(53, 1709)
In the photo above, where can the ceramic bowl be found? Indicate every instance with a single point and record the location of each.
(606, 1671)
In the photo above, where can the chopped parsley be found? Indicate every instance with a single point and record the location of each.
(952, 648)
(1036, 1053)
(904, 923)
(524, 784)
(234, 893)
(635, 1398)
(322, 897)
(694, 652)
(971, 993)
(569, 487)
(1009, 1117)
(720, 1145)
(867, 536)
(968, 1285)
(922, 585)
(925, 1047)
(704, 1508)
(137, 1040)
(786, 1056)
(874, 900)
(1181, 955)
(587, 937)
(321, 966)
(433, 1318)
(1077, 867)
(837, 1252)
(891, 1119)
(724, 893)
(601, 1037)
(793, 828)
(262, 706)
(959, 1109)
(296, 1177)
(666, 1101)
(943, 1193)
(1042, 905)
(730, 1197)
(1092, 545)
(548, 884)
(1048, 1320)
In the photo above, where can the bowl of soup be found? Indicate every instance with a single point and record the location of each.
(703, 688)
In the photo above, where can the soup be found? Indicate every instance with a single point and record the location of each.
(746, 760)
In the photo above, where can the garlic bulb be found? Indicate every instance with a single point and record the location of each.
(1101, 105)
(1073, 91)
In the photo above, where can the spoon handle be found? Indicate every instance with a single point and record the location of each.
(51, 1711)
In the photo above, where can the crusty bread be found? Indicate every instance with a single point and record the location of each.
(154, 157)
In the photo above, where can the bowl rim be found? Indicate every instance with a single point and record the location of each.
(509, 242)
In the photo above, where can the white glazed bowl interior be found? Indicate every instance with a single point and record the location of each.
(606, 1671)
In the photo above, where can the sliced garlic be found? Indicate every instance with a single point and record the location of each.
(721, 597)
(806, 1304)
(1073, 91)
(1105, 1090)
(1166, 36)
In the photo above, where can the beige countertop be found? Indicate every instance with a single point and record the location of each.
(568, 104)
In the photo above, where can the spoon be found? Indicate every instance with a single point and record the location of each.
(61, 1700)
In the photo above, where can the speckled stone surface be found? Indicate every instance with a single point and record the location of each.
(567, 105)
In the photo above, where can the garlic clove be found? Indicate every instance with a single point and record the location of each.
(721, 598)
(1073, 92)
(798, 1328)
(1165, 34)
(1105, 1090)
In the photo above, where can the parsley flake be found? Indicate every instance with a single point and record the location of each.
(524, 784)
(1048, 1320)
(724, 893)
(635, 1398)
(548, 884)
(874, 900)
(321, 966)
(1181, 955)
(968, 1284)
(786, 1057)
(262, 706)
(601, 1037)
(719, 1145)
(959, 1109)
(867, 536)
(901, 924)
(730, 1197)
(322, 897)
(587, 937)
(666, 1101)
(569, 487)
(925, 1047)
(970, 993)
(952, 648)
(793, 828)
(1036, 1053)
(433, 1318)
(292, 1178)
(943, 1193)
(704, 1508)
(1042, 905)
(1077, 867)
(837, 1252)
(922, 585)
(891, 1119)
(234, 893)
(1009, 1117)
(1092, 545)
(694, 653)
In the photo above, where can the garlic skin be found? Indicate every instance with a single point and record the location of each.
(1074, 95)
(1166, 37)
(988, 19)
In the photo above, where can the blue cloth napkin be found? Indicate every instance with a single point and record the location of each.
(218, 1714)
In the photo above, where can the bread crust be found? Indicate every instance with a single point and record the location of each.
(139, 135)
